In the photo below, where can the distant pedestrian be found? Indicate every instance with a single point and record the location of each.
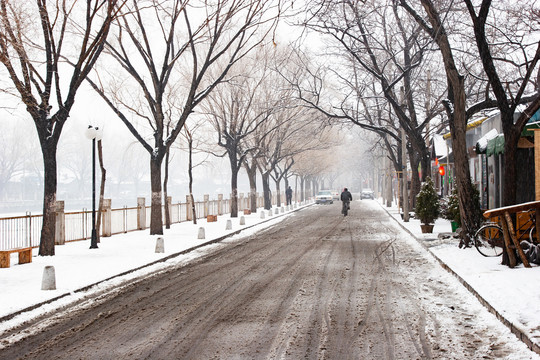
(288, 195)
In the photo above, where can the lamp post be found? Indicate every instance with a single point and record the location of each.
(93, 133)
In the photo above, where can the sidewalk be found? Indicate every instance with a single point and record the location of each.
(513, 295)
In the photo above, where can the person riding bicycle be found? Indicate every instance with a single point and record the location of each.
(346, 198)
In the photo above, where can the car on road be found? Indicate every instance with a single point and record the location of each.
(367, 194)
(336, 195)
(324, 197)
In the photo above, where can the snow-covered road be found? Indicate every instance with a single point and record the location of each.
(316, 285)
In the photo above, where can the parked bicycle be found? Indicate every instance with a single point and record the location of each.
(489, 239)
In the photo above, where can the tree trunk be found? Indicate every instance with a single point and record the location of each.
(302, 190)
(457, 114)
(266, 191)
(156, 217)
(234, 191)
(511, 138)
(46, 245)
(190, 173)
(278, 193)
(307, 185)
(101, 189)
(458, 127)
(252, 176)
(165, 194)
(415, 180)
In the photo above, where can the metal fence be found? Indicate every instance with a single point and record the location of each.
(25, 231)
(20, 231)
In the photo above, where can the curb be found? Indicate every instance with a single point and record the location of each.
(164, 259)
(513, 328)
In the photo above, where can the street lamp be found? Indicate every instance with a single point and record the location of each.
(94, 133)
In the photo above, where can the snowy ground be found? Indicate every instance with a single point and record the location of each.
(514, 293)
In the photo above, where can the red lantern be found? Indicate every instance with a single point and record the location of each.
(441, 170)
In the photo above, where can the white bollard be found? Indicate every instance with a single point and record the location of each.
(49, 278)
(295, 206)
(277, 211)
(262, 214)
(282, 209)
(242, 220)
(201, 233)
(160, 245)
(229, 225)
(270, 213)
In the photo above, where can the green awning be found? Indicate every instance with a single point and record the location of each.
(533, 123)
(495, 146)
(499, 144)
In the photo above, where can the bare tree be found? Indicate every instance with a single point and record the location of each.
(193, 146)
(196, 44)
(34, 40)
(384, 55)
(236, 111)
(508, 93)
(456, 110)
(295, 130)
(509, 59)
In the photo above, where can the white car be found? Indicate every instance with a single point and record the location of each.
(324, 197)
(367, 194)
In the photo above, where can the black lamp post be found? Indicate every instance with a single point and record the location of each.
(93, 133)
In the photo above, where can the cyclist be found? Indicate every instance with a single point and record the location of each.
(346, 198)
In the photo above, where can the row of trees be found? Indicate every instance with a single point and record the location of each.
(423, 67)
(154, 63)
(401, 70)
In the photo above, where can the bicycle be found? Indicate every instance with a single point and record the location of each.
(489, 239)
(345, 207)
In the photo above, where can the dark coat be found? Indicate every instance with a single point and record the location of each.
(288, 192)
(346, 195)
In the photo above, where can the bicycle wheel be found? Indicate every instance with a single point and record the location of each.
(532, 235)
(489, 240)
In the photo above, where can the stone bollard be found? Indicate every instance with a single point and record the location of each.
(270, 213)
(282, 209)
(201, 233)
(49, 278)
(229, 225)
(160, 245)
(242, 220)
(262, 214)
(277, 211)
(295, 206)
